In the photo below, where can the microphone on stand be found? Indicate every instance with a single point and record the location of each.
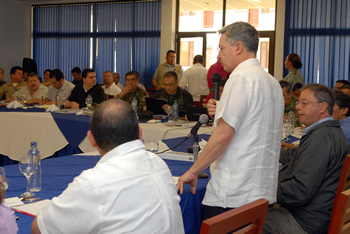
(216, 79)
(202, 119)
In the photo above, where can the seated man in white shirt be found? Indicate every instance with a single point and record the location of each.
(116, 80)
(34, 92)
(109, 86)
(58, 85)
(130, 190)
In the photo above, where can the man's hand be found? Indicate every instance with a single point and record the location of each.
(72, 105)
(285, 145)
(187, 178)
(125, 91)
(9, 99)
(158, 87)
(211, 106)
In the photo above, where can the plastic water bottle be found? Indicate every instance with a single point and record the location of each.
(291, 120)
(134, 104)
(15, 95)
(35, 179)
(88, 101)
(58, 100)
(176, 111)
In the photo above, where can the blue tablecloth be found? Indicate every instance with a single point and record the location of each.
(59, 172)
(5, 109)
(73, 127)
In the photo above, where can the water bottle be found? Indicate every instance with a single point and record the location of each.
(58, 100)
(134, 104)
(175, 111)
(291, 120)
(15, 95)
(35, 179)
(88, 101)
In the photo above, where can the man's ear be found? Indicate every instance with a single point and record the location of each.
(239, 47)
(91, 139)
(323, 108)
(344, 110)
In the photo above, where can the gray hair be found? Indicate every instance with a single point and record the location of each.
(286, 84)
(33, 74)
(243, 32)
(322, 94)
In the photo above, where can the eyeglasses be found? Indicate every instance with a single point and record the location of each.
(219, 48)
(304, 103)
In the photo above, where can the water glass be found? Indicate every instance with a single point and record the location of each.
(152, 145)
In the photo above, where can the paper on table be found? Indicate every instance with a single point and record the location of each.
(52, 108)
(32, 209)
(12, 201)
(14, 105)
(162, 147)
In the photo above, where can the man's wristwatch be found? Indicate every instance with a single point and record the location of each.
(25, 102)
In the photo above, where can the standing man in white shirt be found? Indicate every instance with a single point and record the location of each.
(58, 85)
(196, 78)
(130, 190)
(244, 149)
(109, 86)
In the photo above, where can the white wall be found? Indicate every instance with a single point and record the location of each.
(167, 40)
(279, 39)
(15, 23)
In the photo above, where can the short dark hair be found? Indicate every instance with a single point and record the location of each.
(297, 86)
(33, 74)
(113, 123)
(137, 74)
(86, 71)
(295, 60)
(57, 74)
(198, 59)
(47, 70)
(171, 74)
(131, 73)
(343, 82)
(286, 84)
(76, 70)
(170, 51)
(14, 69)
(343, 101)
(322, 94)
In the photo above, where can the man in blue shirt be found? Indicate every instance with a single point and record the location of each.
(341, 112)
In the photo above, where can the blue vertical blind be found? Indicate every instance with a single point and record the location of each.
(125, 36)
(319, 31)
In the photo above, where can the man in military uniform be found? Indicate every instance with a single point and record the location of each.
(131, 90)
(17, 82)
(163, 68)
(172, 92)
(290, 102)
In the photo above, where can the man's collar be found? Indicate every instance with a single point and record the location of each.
(306, 130)
(166, 64)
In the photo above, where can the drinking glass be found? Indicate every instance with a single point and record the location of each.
(27, 167)
(168, 109)
(286, 131)
(23, 98)
(152, 145)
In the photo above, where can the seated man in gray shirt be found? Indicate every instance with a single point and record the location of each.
(58, 85)
(33, 93)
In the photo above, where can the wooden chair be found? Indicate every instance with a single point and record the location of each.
(343, 184)
(341, 214)
(252, 214)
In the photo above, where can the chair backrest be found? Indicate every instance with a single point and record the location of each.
(252, 213)
(202, 100)
(341, 215)
(344, 182)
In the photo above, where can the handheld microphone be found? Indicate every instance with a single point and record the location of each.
(216, 79)
(203, 118)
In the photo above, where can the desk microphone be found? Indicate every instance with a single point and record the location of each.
(216, 79)
(203, 118)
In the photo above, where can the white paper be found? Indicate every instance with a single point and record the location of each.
(33, 208)
(162, 147)
(12, 201)
(52, 108)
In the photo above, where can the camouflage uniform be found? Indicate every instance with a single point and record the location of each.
(2, 83)
(292, 105)
(140, 95)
